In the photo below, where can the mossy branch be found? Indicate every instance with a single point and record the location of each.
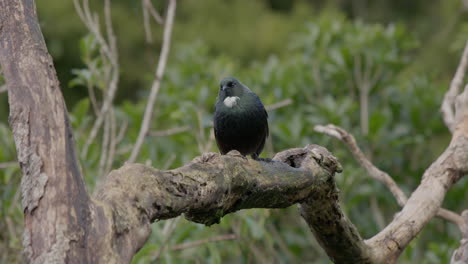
(206, 189)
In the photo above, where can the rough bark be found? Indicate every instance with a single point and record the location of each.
(322, 212)
(460, 255)
(54, 198)
(206, 189)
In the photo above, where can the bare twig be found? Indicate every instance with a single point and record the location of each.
(157, 17)
(279, 104)
(92, 24)
(169, 162)
(365, 82)
(148, 8)
(204, 241)
(200, 135)
(167, 231)
(112, 142)
(460, 255)
(109, 51)
(375, 172)
(9, 164)
(170, 131)
(146, 22)
(104, 146)
(110, 32)
(122, 130)
(282, 244)
(376, 212)
(145, 125)
(448, 104)
(92, 97)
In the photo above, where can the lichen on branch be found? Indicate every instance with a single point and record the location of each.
(212, 186)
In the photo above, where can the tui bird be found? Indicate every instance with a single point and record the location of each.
(240, 119)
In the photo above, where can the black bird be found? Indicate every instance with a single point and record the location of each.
(240, 120)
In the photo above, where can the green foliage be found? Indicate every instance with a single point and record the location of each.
(322, 74)
(322, 67)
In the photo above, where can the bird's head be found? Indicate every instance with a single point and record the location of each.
(231, 91)
(230, 86)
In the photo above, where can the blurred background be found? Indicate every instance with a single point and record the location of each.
(328, 57)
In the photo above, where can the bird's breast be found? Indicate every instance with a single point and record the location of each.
(231, 101)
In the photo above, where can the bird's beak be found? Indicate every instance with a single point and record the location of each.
(224, 88)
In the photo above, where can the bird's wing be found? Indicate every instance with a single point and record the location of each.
(265, 130)
(221, 147)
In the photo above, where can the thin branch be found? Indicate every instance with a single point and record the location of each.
(448, 104)
(145, 125)
(375, 172)
(167, 231)
(146, 23)
(376, 212)
(147, 9)
(121, 134)
(110, 52)
(170, 131)
(200, 135)
(8, 164)
(92, 97)
(157, 17)
(282, 244)
(372, 171)
(279, 104)
(204, 241)
(169, 162)
(104, 146)
(110, 32)
(113, 141)
(460, 255)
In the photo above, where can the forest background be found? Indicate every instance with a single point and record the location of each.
(314, 59)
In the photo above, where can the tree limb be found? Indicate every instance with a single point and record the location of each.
(204, 190)
(204, 241)
(54, 198)
(145, 124)
(460, 255)
(425, 201)
(278, 105)
(170, 131)
(109, 51)
(376, 173)
(8, 164)
(448, 104)
(322, 212)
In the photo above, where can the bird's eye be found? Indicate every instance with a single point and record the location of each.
(230, 84)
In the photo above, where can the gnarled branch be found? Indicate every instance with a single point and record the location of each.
(376, 173)
(206, 189)
(448, 104)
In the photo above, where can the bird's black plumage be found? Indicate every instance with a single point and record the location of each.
(240, 120)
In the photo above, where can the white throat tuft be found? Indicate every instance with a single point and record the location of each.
(231, 101)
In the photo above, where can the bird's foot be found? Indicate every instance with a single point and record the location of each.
(236, 153)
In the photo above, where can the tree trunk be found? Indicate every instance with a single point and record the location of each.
(54, 197)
